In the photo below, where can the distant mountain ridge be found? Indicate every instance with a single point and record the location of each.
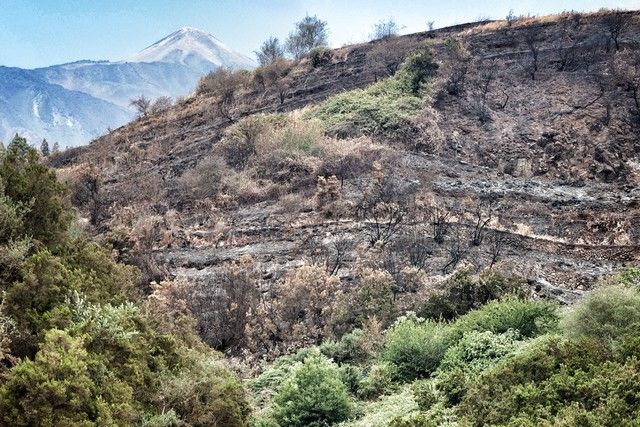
(193, 48)
(75, 102)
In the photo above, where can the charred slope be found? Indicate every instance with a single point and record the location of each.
(557, 140)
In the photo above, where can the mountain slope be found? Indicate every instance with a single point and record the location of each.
(118, 82)
(170, 67)
(567, 176)
(37, 109)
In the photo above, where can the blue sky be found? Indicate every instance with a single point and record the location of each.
(36, 33)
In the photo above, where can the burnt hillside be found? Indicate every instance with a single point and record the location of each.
(539, 121)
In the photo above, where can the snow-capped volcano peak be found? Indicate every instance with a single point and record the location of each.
(194, 48)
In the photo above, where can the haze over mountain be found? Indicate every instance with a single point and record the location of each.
(75, 102)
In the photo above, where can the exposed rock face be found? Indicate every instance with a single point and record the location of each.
(570, 181)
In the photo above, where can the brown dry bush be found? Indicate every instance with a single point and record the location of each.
(206, 179)
(387, 55)
(221, 304)
(225, 84)
(274, 78)
(375, 296)
(456, 66)
(307, 306)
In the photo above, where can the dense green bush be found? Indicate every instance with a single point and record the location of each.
(416, 71)
(607, 315)
(629, 277)
(417, 346)
(464, 292)
(346, 349)
(381, 379)
(556, 382)
(474, 353)
(57, 388)
(313, 395)
(385, 108)
(34, 191)
(528, 318)
(374, 296)
(76, 348)
(265, 385)
(319, 56)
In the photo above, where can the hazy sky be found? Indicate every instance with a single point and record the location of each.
(36, 33)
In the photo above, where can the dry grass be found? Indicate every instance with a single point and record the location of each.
(525, 21)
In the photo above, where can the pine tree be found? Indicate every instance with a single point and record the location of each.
(56, 148)
(44, 148)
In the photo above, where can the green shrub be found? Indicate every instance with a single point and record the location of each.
(416, 71)
(606, 315)
(528, 318)
(205, 393)
(416, 346)
(302, 136)
(346, 349)
(385, 108)
(319, 56)
(424, 393)
(34, 189)
(553, 382)
(464, 292)
(56, 388)
(87, 354)
(414, 420)
(267, 383)
(381, 379)
(352, 376)
(474, 353)
(381, 109)
(381, 412)
(374, 296)
(313, 395)
(477, 351)
(629, 277)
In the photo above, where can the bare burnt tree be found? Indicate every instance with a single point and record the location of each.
(457, 66)
(221, 305)
(141, 104)
(86, 194)
(497, 242)
(456, 249)
(482, 211)
(529, 61)
(392, 263)
(626, 72)
(344, 167)
(418, 251)
(567, 48)
(479, 97)
(337, 255)
(224, 84)
(386, 57)
(274, 78)
(161, 104)
(384, 220)
(615, 24)
(384, 206)
(591, 50)
(439, 216)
